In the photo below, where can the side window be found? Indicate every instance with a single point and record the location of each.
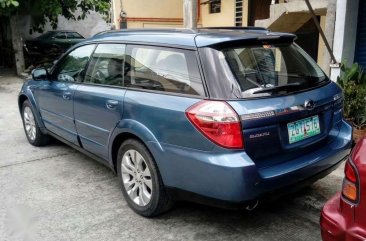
(72, 66)
(73, 35)
(106, 65)
(60, 35)
(163, 69)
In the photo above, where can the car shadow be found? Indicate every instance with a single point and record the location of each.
(292, 217)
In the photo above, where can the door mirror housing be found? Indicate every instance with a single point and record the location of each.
(40, 74)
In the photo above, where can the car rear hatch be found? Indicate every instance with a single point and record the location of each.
(287, 105)
(280, 129)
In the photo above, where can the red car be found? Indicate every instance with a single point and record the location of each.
(344, 216)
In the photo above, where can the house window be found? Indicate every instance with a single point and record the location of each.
(215, 6)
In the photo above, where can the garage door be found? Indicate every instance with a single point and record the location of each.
(360, 55)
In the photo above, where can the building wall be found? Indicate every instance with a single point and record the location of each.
(321, 45)
(169, 13)
(151, 13)
(224, 18)
(345, 34)
(245, 12)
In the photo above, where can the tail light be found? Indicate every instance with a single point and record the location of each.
(350, 189)
(217, 121)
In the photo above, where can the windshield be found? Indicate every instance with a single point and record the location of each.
(273, 69)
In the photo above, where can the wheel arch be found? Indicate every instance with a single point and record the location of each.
(21, 99)
(131, 129)
(117, 142)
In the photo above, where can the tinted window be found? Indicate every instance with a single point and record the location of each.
(72, 66)
(258, 68)
(106, 65)
(72, 35)
(163, 69)
(60, 35)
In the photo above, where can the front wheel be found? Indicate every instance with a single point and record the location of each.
(31, 128)
(142, 185)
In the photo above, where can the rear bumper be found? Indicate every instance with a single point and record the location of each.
(233, 176)
(336, 227)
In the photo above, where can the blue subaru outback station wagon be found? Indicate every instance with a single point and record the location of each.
(222, 116)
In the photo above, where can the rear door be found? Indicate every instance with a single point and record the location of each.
(98, 100)
(162, 84)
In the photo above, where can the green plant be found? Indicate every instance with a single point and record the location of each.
(8, 3)
(42, 12)
(353, 82)
(355, 73)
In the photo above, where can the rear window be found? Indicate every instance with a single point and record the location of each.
(272, 69)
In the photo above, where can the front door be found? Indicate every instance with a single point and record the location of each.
(56, 95)
(98, 100)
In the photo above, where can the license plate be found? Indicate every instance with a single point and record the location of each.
(302, 129)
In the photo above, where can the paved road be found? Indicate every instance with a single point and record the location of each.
(56, 193)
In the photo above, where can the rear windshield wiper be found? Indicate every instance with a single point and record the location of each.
(278, 88)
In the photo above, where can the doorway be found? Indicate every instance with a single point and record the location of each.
(259, 9)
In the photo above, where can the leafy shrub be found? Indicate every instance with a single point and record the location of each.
(353, 82)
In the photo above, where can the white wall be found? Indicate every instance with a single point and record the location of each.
(345, 33)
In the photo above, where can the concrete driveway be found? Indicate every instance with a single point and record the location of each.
(56, 193)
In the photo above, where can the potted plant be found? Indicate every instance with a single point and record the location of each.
(353, 82)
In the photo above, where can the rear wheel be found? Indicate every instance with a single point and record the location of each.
(31, 127)
(142, 185)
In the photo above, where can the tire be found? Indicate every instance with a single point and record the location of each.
(35, 136)
(135, 180)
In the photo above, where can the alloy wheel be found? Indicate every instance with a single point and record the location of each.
(136, 177)
(29, 123)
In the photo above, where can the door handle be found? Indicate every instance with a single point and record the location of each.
(111, 104)
(66, 96)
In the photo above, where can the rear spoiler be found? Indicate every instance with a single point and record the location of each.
(250, 39)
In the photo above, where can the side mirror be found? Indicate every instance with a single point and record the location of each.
(40, 74)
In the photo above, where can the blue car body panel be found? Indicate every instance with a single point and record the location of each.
(233, 176)
(97, 111)
(56, 107)
(27, 92)
(92, 117)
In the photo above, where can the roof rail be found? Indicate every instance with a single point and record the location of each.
(184, 30)
(237, 28)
